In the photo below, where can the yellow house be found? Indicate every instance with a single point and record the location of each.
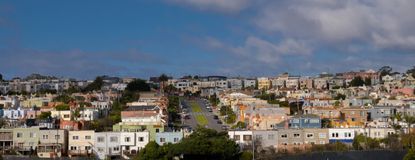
(264, 83)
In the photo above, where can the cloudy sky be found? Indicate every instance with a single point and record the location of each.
(83, 39)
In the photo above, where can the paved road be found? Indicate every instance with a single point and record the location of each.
(212, 123)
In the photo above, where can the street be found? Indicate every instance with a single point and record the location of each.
(202, 112)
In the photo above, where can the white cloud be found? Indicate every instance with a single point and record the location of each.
(217, 5)
(379, 23)
(261, 50)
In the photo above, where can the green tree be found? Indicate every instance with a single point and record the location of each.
(62, 107)
(368, 81)
(385, 70)
(246, 155)
(137, 86)
(411, 72)
(1, 77)
(151, 151)
(340, 97)
(44, 115)
(63, 98)
(163, 79)
(95, 85)
(410, 155)
(240, 125)
(357, 81)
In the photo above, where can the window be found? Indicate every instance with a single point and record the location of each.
(87, 147)
(296, 135)
(100, 139)
(113, 139)
(100, 149)
(162, 140)
(127, 148)
(157, 130)
(337, 134)
(322, 135)
(66, 116)
(247, 137)
(237, 137)
(175, 139)
(271, 136)
(127, 139)
(259, 137)
(284, 136)
(32, 135)
(45, 136)
(19, 135)
(116, 148)
(75, 137)
(73, 148)
(57, 136)
(141, 139)
(310, 135)
(345, 134)
(87, 137)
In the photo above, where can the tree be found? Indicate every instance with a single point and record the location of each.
(385, 70)
(63, 98)
(368, 81)
(1, 77)
(410, 155)
(151, 151)
(357, 81)
(62, 107)
(411, 72)
(137, 86)
(340, 97)
(95, 86)
(163, 79)
(246, 155)
(240, 125)
(44, 115)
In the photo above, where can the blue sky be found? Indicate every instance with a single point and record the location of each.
(135, 38)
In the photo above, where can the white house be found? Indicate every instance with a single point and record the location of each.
(107, 144)
(345, 135)
(133, 142)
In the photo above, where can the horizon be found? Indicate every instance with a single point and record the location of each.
(197, 37)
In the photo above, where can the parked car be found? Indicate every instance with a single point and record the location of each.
(220, 122)
(215, 117)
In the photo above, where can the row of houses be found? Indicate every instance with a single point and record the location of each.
(50, 143)
(289, 139)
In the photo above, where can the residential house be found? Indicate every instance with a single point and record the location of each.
(6, 140)
(168, 137)
(52, 143)
(264, 83)
(107, 144)
(25, 140)
(344, 135)
(266, 138)
(80, 143)
(242, 138)
(133, 142)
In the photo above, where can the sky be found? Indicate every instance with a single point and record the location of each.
(143, 38)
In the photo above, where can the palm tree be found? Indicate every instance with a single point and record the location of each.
(409, 120)
(396, 119)
(163, 78)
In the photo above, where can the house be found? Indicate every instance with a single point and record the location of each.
(266, 138)
(316, 136)
(107, 144)
(6, 140)
(241, 138)
(353, 117)
(80, 143)
(168, 137)
(383, 113)
(65, 115)
(141, 120)
(344, 135)
(305, 121)
(14, 114)
(133, 142)
(25, 140)
(264, 83)
(52, 143)
(235, 83)
(288, 139)
(377, 133)
(249, 83)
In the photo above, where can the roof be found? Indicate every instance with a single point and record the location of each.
(136, 114)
